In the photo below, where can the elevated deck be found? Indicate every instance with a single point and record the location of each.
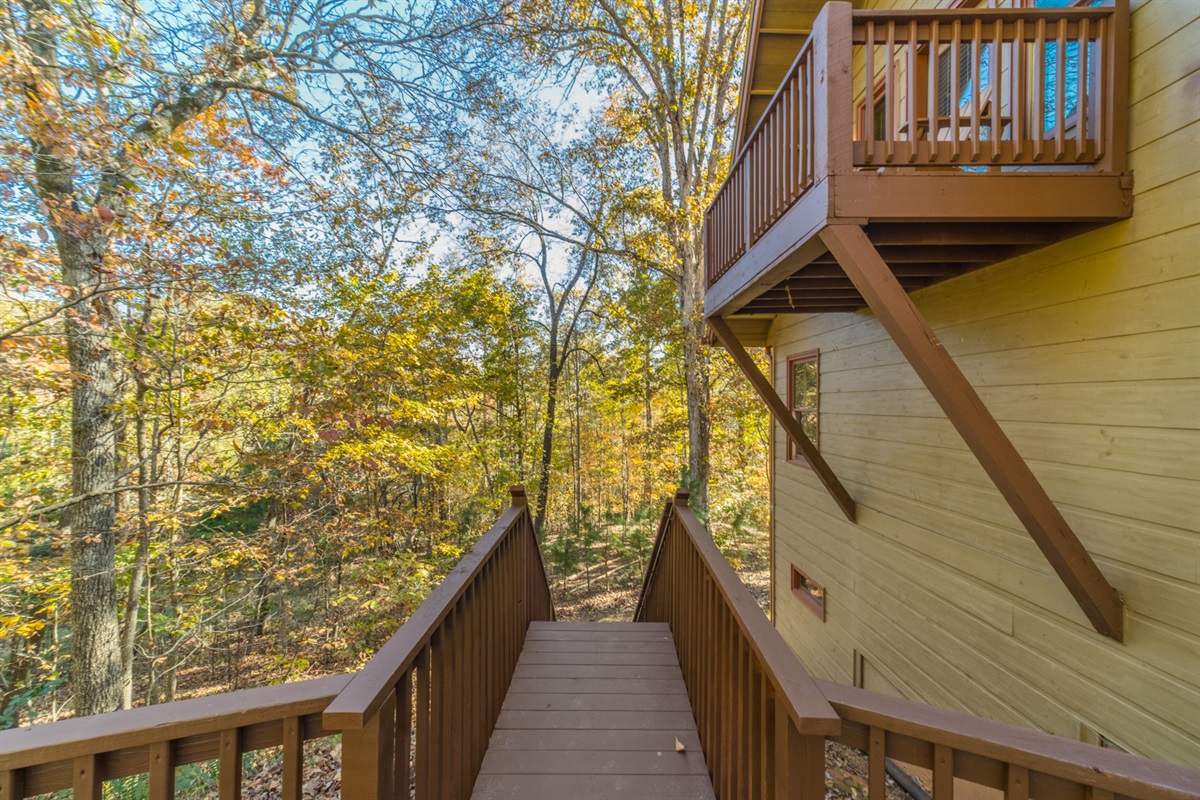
(594, 711)
(1022, 145)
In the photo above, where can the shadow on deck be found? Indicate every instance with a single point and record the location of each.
(480, 694)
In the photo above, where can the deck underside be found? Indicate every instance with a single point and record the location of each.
(594, 711)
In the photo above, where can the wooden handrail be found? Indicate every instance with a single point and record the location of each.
(761, 717)
(1018, 761)
(81, 753)
(449, 666)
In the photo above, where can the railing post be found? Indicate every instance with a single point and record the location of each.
(832, 117)
(1116, 149)
(799, 761)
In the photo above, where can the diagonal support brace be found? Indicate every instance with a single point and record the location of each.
(766, 391)
(979, 429)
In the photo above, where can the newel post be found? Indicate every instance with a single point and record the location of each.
(683, 498)
(368, 754)
(799, 760)
(833, 115)
(519, 498)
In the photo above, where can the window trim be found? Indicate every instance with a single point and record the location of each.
(809, 592)
(794, 456)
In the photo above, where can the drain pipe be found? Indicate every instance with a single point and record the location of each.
(905, 781)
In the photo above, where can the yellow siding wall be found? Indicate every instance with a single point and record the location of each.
(1088, 353)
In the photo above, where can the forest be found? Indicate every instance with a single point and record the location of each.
(293, 291)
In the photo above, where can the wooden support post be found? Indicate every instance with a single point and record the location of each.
(367, 753)
(799, 761)
(766, 391)
(983, 435)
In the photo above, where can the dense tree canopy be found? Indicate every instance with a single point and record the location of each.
(292, 291)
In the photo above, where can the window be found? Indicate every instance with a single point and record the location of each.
(811, 593)
(803, 394)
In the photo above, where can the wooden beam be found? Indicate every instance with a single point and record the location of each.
(779, 410)
(979, 429)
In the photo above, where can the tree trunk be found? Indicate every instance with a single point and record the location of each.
(543, 494)
(95, 652)
(691, 306)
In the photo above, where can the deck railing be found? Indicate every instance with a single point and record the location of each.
(1019, 762)
(986, 89)
(81, 754)
(762, 719)
(417, 718)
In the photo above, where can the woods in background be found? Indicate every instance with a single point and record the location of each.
(290, 293)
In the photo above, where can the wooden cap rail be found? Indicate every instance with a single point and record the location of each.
(81, 753)
(1020, 762)
(448, 667)
(761, 717)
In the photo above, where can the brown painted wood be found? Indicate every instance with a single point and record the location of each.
(229, 765)
(12, 784)
(943, 772)
(139, 727)
(161, 784)
(612, 735)
(86, 783)
(1064, 760)
(783, 416)
(982, 434)
(292, 768)
(877, 765)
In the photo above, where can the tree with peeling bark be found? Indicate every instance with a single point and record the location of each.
(93, 93)
(672, 68)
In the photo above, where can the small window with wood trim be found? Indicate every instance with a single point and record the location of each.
(811, 593)
(804, 393)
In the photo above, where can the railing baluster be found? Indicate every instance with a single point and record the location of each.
(12, 784)
(889, 95)
(1018, 94)
(1016, 783)
(943, 772)
(911, 82)
(292, 768)
(1082, 68)
(1103, 87)
(997, 133)
(229, 765)
(161, 783)
(401, 762)
(955, 89)
(976, 91)
(423, 757)
(1038, 123)
(932, 104)
(85, 779)
(1060, 88)
(876, 764)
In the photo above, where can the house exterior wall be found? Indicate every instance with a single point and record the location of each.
(1088, 354)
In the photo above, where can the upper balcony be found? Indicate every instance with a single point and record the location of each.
(989, 132)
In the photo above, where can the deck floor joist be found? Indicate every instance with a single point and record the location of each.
(594, 711)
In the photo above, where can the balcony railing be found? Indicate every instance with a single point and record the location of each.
(987, 90)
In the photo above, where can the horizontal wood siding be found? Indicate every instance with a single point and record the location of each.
(1088, 354)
